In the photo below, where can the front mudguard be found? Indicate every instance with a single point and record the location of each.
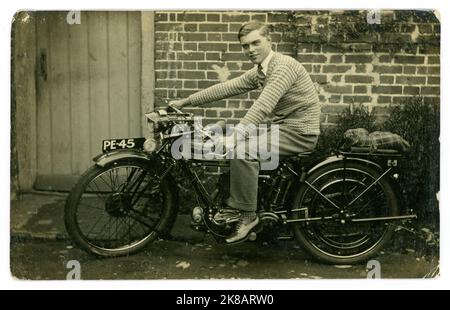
(111, 157)
(152, 159)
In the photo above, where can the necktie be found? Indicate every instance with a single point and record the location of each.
(260, 76)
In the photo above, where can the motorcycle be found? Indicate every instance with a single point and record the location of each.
(341, 209)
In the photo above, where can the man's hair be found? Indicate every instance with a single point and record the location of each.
(254, 25)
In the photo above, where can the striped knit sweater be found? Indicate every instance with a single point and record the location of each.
(288, 96)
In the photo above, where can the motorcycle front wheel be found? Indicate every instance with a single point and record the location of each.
(343, 233)
(120, 208)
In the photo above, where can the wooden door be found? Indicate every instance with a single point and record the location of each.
(88, 89)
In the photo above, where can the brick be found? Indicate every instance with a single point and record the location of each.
(409, 70)
(239, 18)
(212, 75)
(188, 65)
(336, 78)
(361, 47)
(203, 65)
(202, 84)
(213, 27)
(214, 37)
(411, 90)
(308, 67)
(387, 89)
(422, 70)
(387, 79)
(316, 68)
(259, 17)
(225, 114)
(210, 113)
(400, 100)
(169, 84)
(183, 93)
(190, 84)
(360, 68)
(191, 27)
(191, 17)
(334, 108)
(285, 47)
(234, 28)
(213, 17)
(437, 28)
(430, 90)
(161, 74)
(385, 58)
(358, 99)
(234, 47)
(234, 57)
(161, 17)
(188, 36)
(231, 37)
(433, 60)
(213, 56)
(429, 49)
(384, 99)
(191, 75)
(338, 89)
(172, 17)
(358, 79)
(387, 69)
(400, 59)
(410, 80)
(434, 70)
(233, 104)
(239, 113)
(335, 99)
(432, 80)
(191, 56)
(360, 89)
(168, 27)
(277, 18)
(334, 48)
(213, 46)
(358, 58)
(168, 65)
(247, 104)
(335, 69)
(190, 46)
(218, 104)
(319, 78)
(162, 93)
(336, 59)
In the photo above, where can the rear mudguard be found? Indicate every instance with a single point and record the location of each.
(105, 159)
(336, 158)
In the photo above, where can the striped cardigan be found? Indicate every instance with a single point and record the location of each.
(288, 96)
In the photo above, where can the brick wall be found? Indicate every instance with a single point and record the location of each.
(350, 60)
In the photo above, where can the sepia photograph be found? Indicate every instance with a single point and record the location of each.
(225, 144)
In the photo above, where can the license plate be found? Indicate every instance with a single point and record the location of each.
(122, 144)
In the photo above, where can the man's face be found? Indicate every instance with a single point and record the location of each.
(256, 46)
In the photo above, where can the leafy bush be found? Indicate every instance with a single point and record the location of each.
(418, 123)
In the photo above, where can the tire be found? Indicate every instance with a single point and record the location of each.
(340, 241)
(119, 218)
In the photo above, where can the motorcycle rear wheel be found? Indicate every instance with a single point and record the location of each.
(119, 209)
(340, 241)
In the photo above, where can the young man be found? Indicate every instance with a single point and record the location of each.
(288, 98)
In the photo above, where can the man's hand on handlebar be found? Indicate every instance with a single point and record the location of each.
(180, 103)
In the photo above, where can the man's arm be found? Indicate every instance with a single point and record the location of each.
(236, 86)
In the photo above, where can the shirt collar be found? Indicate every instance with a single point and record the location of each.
(265, 62)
